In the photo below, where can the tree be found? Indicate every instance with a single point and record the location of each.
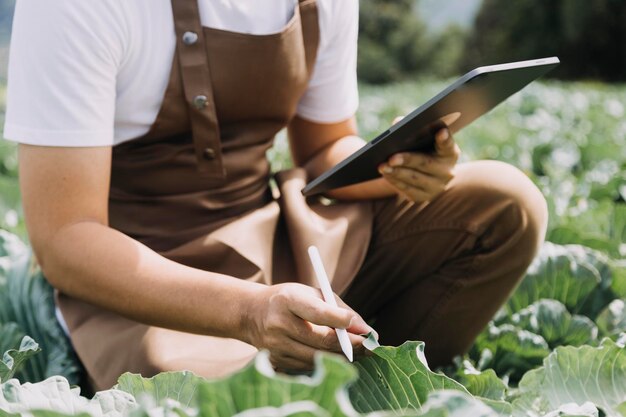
(588, 36)
(394, 43)
(390, 39)
(6, 17)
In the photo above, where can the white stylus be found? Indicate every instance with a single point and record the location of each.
(329, 297)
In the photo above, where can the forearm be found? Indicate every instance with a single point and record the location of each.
(336, 152)
(102, 266)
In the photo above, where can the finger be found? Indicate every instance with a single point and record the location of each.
(358, 326)
(430, 184)
(322, 337)
(317, 311)
(283, 363)
(325, 339)
(316, 337)
(300, 351)
(302, 346)
(328, 340)
(411, 193)
(444, 143)
(428, 164)
(397, 119)
(357, 345)
(296, 340)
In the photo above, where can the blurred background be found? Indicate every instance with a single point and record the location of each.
(400, 39)
(567, 132)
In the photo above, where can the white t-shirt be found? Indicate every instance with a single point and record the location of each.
(93, 73)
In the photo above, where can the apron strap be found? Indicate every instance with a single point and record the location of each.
(196, 77)
(310, 31)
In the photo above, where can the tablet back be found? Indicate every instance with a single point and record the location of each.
(468, 98)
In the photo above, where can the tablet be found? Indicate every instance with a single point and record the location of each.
(465, 100)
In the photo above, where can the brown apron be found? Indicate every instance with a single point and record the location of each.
(196, 187)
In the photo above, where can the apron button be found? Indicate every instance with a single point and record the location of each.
(189, 38)
(209, 153)
(200, 102)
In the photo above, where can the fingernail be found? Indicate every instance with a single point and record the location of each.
(387, 169)
(444, 135)
(375, 333)
(396, 160)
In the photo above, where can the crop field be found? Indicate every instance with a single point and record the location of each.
(555, 349)
(9, 192)
(569, 138)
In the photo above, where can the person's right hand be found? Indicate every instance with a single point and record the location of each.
(293, 321)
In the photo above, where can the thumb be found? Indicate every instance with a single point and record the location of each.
(444, 143)
(397, 119)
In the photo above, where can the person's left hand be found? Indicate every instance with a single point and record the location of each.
(421, 177)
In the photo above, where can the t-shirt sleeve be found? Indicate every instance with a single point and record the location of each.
(332, 95)
(63, 62)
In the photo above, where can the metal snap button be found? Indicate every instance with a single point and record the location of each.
(200, 102)
(209, 153)
(189, 38)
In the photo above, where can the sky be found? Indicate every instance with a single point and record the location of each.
(440, 13)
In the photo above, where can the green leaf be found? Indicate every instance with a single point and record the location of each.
(551, 320)
(456, 404)
(27, 300)
(297, 409)
(554, 275)
(569, 235)
(577, 375)
(256, 385)
(582, 331)
(530, 408)
(621, 408)
(10, 336)
(618, 221)
(13, 359)
(618, 285)
(444, 403)
(396, 378)
(179, 386)
(612, 320)
(601, 264)
(574, 410)
(509, 350)
(485, 384)
(55, 395)
(12, 249)
(601, 226)
(574, 275)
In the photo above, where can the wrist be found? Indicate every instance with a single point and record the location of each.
(249, 308)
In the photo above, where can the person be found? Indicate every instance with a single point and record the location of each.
(143, 129)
